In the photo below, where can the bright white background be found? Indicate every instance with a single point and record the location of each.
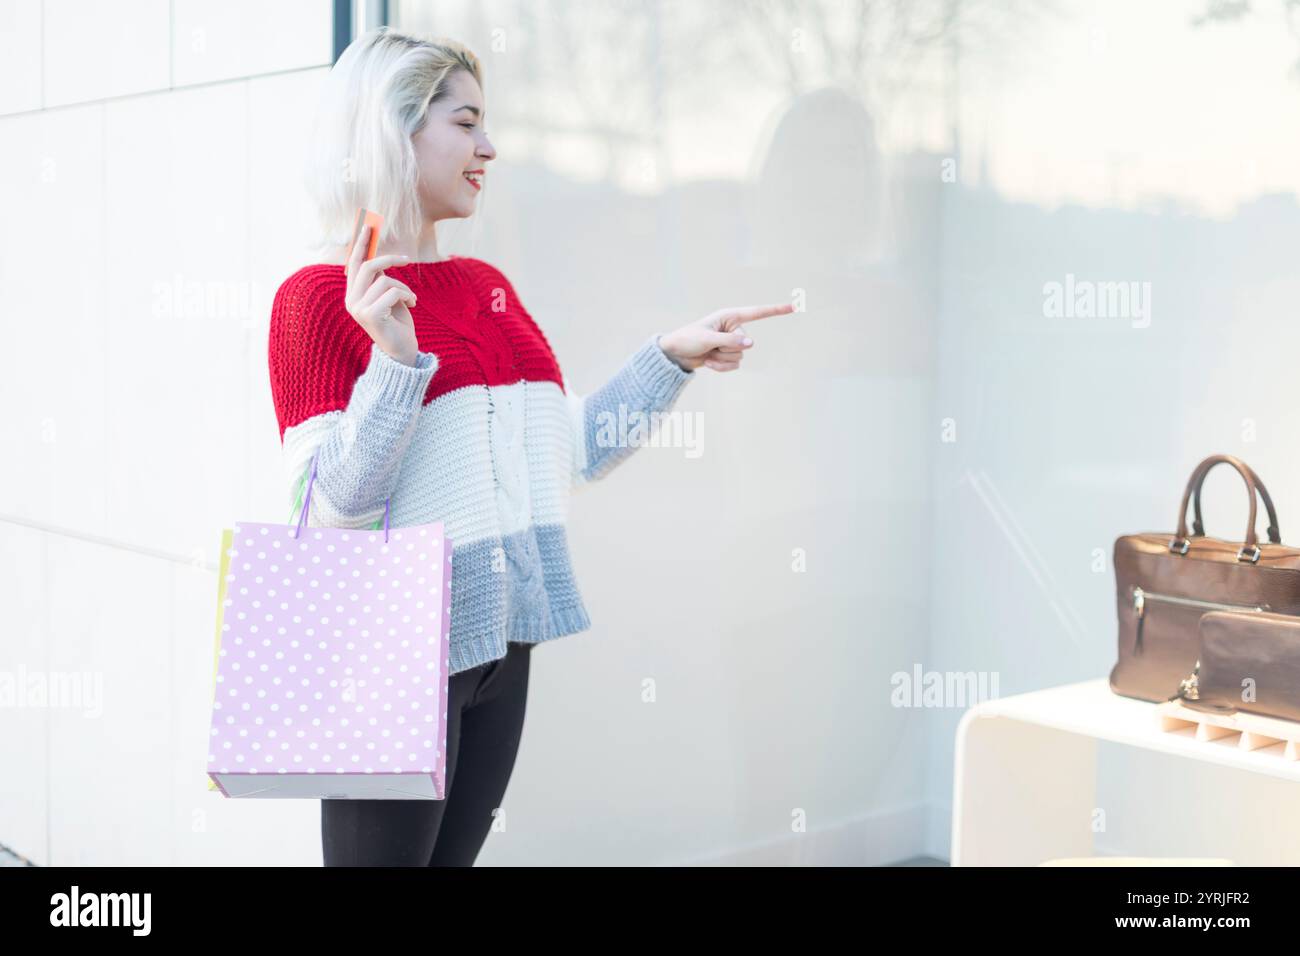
(728, 154)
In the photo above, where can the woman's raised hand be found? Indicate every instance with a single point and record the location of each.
(380, 303)
(718, 340)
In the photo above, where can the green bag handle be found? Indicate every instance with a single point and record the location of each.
(297, 502)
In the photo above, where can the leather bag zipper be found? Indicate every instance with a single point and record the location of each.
(1141, 596)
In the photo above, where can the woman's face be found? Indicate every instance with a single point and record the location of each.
(451, 146)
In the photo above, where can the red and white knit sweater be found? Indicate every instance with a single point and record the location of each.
(483, 434)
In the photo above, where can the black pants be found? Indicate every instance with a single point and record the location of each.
(485, 719)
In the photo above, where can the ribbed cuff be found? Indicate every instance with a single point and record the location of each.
(658, 376)
(390, 382)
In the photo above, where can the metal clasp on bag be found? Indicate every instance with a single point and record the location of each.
(1187, 687)
(1253, 558)
(1174, 545)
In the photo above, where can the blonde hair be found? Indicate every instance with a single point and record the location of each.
(374, 100)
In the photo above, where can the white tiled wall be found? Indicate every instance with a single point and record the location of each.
(24, 730)
(20, 57)
(91, 50)
(242, 38)
(150, 218)
(109, 615)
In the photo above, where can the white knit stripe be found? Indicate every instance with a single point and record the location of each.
(551, 442)
(300, 443)
(447, 475)
(487, 461)
(574, 409)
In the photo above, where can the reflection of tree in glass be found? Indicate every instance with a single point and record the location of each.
(1230, 11)
(610, 76)
(875, 49)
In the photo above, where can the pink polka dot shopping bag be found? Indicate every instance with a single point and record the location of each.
(331, 661)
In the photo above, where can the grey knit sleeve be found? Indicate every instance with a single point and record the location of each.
(359, 449)
(621, 415)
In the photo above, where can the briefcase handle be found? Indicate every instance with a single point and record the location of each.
(1250, 550)
(1274, 535)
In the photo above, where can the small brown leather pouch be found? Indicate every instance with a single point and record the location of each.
(1249, 661)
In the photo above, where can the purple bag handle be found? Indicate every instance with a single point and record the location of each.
(306, 504)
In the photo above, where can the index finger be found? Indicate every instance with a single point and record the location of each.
(372, 267)
(358, 243)
(751, 313)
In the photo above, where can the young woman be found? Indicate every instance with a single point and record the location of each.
(421, 380)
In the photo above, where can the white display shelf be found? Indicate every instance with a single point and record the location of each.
(1024, 785)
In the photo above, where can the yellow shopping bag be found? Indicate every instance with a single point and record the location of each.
(227, 539)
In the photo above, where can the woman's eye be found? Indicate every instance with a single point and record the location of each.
(467, 125)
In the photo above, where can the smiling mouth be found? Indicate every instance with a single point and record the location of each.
(474, 179)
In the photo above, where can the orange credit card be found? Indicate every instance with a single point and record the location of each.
(366, 218)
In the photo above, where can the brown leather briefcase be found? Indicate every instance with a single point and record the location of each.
(1164, 584)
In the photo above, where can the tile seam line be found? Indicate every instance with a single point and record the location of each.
(161, 91)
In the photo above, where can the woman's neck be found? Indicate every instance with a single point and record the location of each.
(423, 248)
